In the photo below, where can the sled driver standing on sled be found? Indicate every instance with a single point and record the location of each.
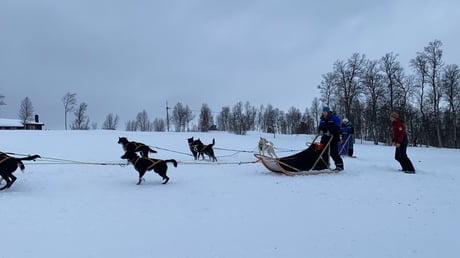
(329, 126)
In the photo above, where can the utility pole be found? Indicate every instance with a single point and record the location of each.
(167, 116)
(1, 100)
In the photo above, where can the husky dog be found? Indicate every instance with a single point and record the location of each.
(144, 164)
(199, 149)
(135, 147)
(191, 145)
(266, 146)
(8, 165)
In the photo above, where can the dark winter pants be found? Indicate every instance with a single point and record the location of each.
(401, 157)
(348, 141)
(350, 152)
(334, 151)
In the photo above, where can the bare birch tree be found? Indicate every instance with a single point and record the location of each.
(81, 121)
(26, 111)
(69, 100)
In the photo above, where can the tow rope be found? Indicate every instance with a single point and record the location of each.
(59, 161)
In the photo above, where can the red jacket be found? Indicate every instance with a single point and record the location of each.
(399, 132)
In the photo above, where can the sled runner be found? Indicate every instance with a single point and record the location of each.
(312, 161)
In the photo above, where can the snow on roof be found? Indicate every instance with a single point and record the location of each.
(10, 122)
(16, 122)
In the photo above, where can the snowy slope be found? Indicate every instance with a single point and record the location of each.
(225, 209)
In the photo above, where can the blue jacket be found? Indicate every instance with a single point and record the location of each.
(347, 131)
(330, 123)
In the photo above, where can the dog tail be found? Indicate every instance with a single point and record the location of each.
(213, 142)
(33, 157)
(172, 161)
(152, 150)
(21, 165)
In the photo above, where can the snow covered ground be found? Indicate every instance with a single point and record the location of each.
(224, 210)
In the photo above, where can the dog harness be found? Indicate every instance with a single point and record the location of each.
(137, 146)
(149, 167)
(1, 161)
(135, 161)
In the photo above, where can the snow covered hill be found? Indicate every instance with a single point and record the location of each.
(226, 209)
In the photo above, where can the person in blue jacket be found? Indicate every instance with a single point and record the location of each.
(347, 131)
(329, 126)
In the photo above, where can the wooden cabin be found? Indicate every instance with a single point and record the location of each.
(16, 124)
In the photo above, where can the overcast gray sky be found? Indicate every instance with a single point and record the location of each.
(123, 57)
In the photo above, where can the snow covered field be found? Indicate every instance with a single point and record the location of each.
(224, 210)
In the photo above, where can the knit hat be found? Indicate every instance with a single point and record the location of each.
(394, 115)
(326, 109)
(345, 120)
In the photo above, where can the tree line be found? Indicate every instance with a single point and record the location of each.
(239, 119)
(367, 91)
(363, 90)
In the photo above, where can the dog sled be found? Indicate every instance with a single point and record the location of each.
(312, 161)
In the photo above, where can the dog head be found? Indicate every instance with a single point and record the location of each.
(122, 140)
(262, 142)
(130, 156)
(198, 142)
(190, 141)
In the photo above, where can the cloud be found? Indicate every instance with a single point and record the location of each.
(125, 56)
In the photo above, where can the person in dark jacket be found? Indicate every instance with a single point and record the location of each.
(329, 126)
(347, 131)
(400, 141)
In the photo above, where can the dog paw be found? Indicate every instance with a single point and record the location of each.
(140, 181)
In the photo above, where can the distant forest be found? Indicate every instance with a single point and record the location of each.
(367, 91)
(364, 91)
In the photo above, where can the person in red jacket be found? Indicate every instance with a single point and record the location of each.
(400, 141)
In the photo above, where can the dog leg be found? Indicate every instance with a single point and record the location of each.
(141, 179)
(8, 183)
(13, 178)
(161, 170)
